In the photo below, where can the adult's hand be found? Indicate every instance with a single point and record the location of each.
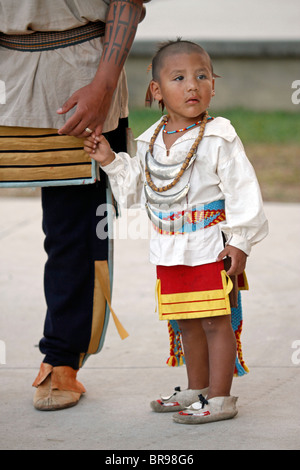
(92, 104)
(93, 101)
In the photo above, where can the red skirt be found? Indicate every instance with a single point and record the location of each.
(185, 292)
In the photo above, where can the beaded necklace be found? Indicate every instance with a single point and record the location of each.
(186, 161)
(181, 130)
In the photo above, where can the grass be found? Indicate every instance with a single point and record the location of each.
(252, 126)
(271, 140)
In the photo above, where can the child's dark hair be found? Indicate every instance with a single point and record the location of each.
(174, 47)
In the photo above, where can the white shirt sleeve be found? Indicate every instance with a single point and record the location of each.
(126, 178)
(246, 223)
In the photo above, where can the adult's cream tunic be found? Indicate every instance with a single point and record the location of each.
(221, 172)
(35, 84)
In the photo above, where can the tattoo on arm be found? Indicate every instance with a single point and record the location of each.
(121, 27)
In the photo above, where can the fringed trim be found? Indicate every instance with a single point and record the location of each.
(237, 325)
(240, 366)
(176, 358)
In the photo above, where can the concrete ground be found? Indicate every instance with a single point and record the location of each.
(121, 380)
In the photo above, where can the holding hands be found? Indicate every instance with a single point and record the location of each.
(99, 149)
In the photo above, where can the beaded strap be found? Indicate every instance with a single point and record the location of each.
(186, 161)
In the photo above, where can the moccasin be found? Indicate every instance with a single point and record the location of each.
(205, 411)
(57, 388)
(179, 400)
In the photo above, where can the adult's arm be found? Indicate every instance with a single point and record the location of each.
(93, 101)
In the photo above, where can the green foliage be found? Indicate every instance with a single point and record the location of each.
(252, 126)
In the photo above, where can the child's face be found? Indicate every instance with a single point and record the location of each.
(186, 85)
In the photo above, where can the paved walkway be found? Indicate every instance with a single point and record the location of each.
(126, 375)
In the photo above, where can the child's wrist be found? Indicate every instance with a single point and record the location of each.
(108, 160)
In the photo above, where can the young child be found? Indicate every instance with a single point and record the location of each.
(204, 201)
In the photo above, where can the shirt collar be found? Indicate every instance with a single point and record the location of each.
(219, 127)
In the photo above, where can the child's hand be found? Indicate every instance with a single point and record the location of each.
(99, 149)
(238, 259)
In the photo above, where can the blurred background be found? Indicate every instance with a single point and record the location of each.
(255, 48)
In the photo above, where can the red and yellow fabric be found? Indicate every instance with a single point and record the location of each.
(185, 292)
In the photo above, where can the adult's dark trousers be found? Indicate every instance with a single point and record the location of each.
(72, 247)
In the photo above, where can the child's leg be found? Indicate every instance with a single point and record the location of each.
(196, 359)
(195, 353)
(218, 404)
(221, 345)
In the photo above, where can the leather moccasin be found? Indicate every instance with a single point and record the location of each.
(179, 400)
(57, 388)
(206, 411)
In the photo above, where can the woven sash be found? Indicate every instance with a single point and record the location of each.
(43, 41)
(41, 157)
(200, 217)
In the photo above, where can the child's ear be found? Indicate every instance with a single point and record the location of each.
(155, 90)
(213, 88)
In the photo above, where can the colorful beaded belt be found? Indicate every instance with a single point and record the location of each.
(44, 41)
(200, 217)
